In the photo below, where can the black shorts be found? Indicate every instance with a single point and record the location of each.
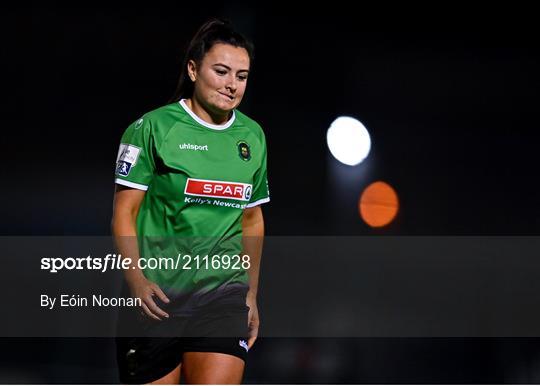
(159, 346)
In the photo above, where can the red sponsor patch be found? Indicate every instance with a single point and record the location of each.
(218, 189)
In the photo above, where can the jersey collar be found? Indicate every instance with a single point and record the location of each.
(206, 124)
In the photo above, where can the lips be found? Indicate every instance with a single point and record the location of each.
(230, 97)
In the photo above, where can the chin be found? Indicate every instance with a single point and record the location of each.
(225, 107)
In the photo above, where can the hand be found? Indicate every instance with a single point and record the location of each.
(144, 289)
(253, 320)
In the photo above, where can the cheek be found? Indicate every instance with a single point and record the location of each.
(206, 83)
(241, 88)
(214, 81)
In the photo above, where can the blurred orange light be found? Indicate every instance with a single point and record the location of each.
(378, 204)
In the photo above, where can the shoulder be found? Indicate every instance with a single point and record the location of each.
(161, 116)
(156, 122)
(249, 123)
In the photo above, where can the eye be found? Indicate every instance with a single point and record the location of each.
(242, 78)
(221, 72)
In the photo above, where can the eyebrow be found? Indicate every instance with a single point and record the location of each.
(228, 68)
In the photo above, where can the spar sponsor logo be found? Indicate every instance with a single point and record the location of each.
(218, 189)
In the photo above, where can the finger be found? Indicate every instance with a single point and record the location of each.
(160, 294)
(155, 309)
(149, 313)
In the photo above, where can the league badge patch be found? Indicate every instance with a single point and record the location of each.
(123, 168)
(126, 159)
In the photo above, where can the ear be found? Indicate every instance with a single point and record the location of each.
(192, 70)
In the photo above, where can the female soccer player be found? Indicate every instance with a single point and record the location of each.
(191, 177)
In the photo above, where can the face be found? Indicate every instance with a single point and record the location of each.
(221, 78)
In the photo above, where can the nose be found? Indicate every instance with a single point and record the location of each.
(231, 85)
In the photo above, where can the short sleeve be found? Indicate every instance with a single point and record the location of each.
(261, 191)
(135, 162)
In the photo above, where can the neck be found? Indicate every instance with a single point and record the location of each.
(205, 114)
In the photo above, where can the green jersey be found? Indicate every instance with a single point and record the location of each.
(198, 178)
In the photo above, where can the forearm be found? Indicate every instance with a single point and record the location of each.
(253, 235)
(125, 238)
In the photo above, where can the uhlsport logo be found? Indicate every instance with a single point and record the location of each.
(190, 146)
(218, 189)
(138, 124)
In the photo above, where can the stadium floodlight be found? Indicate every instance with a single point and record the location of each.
(348, 140)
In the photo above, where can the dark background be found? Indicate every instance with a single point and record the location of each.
(449, 95)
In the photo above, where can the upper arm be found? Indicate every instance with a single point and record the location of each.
(135, 168)
(127, 202)
(252, 216)
(260, 193)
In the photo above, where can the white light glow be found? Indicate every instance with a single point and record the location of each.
(348, 140)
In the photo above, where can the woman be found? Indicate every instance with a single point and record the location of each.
(190, 177)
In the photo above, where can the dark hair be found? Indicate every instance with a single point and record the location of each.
(211, 32)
